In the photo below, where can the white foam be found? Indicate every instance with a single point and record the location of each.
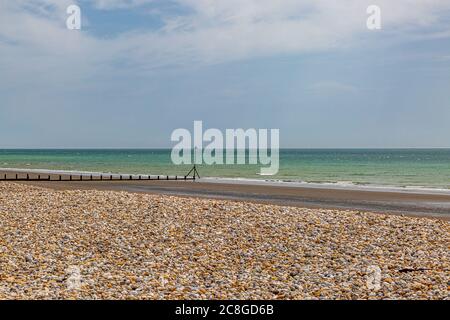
(339, 185)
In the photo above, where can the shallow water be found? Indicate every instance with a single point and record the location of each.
(428, 168)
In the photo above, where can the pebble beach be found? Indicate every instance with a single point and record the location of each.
(92, 244)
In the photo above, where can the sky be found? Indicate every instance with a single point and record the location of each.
(139, 69)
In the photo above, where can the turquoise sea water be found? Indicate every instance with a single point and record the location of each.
(428, 168)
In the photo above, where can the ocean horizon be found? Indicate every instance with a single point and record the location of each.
(400, 168)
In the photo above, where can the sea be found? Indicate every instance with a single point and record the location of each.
(399, 168)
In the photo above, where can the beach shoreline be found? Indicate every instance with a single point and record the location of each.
(347, 185)
(387, 201)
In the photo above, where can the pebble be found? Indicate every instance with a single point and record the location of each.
(115, 245)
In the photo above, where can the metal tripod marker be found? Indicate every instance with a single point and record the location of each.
(194, 169)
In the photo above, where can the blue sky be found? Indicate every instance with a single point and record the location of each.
(139, 69)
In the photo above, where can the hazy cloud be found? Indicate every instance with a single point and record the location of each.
(332, 87)
(214, 31)
(49, 71)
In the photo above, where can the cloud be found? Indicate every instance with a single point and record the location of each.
(119, 4)
(333, 87)
(444, 58)
(212, 31)
(33, 37)
(48, 71)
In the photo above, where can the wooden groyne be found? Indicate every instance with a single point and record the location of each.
(82, 177)
(15, 176)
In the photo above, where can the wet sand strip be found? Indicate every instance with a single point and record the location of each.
(389, 202)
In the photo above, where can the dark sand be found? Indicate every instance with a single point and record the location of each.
(390, 202)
